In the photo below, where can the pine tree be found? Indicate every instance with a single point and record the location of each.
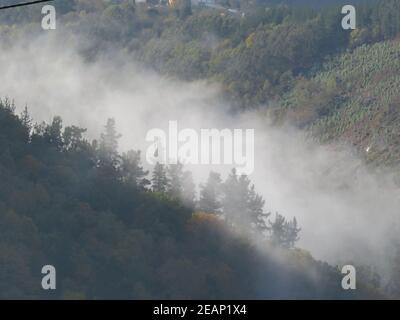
(26, 121)
(53, 133)
(242, 205)
(278, 229)
(258, 216)
(284, 233)
(210, 194)
(159, 180)
(235, 201)
(175, 178)
(73, 138)
(292, 233)
(108, 149)
(7, 105)
(132, 170)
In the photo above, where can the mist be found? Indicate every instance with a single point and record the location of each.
(347, 213)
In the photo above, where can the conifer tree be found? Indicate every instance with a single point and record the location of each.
(278, 229)
(53, 133)
(210, 194)
(27, 122)
(292, 233)
(284, 233)
(73, 138)
(159, 180)
(132, 171)
(236, 198)
(242, 205)
(258, 216)
(108, 149)
(175, 178)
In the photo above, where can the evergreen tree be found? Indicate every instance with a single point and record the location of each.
(73, 138)
(258, 216)
(235, 201)
(53, 133)
(27, 122)
(242, 205)
(108, 149)
(159, 180)
(175, 178)
(278, 229)
(189, 190)
(210, 194)
(284, 233)
(132, 170)
(292, 233)
(7, 105)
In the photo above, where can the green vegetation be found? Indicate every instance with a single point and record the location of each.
(257, 54)
(115, 230)
(354, 98)
(70, 203)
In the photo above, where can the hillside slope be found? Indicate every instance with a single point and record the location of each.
(110, 240)
(354, 98)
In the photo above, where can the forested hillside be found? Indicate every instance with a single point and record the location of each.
(115, 230)
(354, 98)
(67, 202)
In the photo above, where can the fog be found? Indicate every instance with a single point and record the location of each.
(346, 212)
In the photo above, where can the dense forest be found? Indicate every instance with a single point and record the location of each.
(87, 209)
(264, 55)
(116, 230)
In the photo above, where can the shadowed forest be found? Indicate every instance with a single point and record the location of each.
(74, 196)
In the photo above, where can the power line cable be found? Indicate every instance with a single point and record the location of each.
(24, 4)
